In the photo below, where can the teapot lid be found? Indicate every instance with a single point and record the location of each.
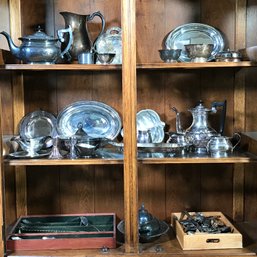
(39, 35)
(143, 215)
(200, 108)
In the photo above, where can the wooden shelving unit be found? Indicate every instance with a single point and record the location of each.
(142, 81)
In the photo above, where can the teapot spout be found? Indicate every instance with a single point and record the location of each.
(13, 48)
(178, 122)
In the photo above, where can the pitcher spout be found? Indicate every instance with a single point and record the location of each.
(13, 48)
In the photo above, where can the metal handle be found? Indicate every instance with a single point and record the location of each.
(60, 34)
(91, 17)
(223, 104)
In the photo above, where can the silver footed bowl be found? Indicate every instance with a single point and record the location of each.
(199, 52)
(170, 55)
(105, 58)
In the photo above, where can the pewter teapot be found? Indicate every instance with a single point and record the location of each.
(39, 48)
(200, 132)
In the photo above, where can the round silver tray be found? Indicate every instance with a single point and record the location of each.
(194, 33)
(98, 120)
(37, 124)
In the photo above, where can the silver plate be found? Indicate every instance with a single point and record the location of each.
(37, 124)
(98, 120)
(26, 155)
(194, 33)
(111, 42)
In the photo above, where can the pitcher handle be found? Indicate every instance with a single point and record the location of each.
(91, 17)
(60, 34)
(223, 114)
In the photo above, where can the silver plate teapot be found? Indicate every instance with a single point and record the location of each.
(200, 132)
(39, 48)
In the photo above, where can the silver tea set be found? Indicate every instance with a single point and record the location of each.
(201, 135)
(72, 42)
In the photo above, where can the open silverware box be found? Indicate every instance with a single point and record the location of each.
(77, 231)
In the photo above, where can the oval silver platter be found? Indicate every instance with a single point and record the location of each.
(111, 42)
(37, 124)
(194, 33)
(98, 120)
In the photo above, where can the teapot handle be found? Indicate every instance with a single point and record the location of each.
(60, 34)
(91, 17)
(223, 104)
(236, 137)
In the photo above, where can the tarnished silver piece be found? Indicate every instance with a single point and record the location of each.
(55, 154)
(40, 48)
(105, 249)
(197, 222)
(80, 33)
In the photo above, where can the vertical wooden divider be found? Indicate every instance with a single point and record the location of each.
(129, 100)
(2, 216)
(239, 110)
(18, 108)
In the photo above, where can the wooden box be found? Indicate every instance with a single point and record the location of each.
(78, 231)
(204, 241)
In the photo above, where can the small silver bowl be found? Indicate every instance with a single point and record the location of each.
(199, 52)
(170, 55)
(86, 147)
(105, 58)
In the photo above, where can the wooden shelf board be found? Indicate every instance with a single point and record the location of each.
(98, 67)
(235, 158)
(47, 162)
(199, 160)
(49, 67)
(184, 65)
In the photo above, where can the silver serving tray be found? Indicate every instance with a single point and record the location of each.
(111, 42)
(99, 120)
(194, 33)
(37, 124)
(26, 155)
(155, 147)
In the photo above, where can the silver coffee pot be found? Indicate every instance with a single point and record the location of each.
(200, 132)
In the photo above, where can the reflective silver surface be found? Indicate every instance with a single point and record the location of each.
(194, 33)
(37, 124)
(111, 42)
(98, 120)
